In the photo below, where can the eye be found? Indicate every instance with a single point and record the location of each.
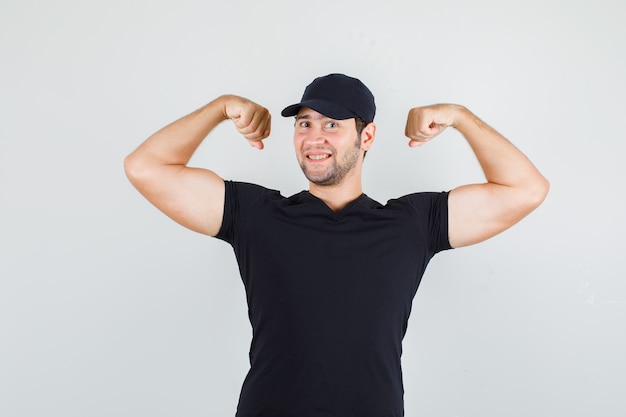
(331, 125)
(303, 124)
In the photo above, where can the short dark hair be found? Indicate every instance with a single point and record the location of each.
(360, 125)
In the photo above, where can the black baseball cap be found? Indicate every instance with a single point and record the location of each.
(336, 96)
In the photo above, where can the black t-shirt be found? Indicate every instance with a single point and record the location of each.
(329, 296)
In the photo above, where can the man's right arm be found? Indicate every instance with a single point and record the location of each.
(193, 197)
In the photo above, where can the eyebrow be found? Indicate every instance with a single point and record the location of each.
(308, 116)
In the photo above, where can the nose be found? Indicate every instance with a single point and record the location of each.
(315, 137)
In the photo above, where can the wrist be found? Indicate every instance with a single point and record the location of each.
(459, 115)
(221, 104)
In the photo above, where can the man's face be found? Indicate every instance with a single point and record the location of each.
(327, 149)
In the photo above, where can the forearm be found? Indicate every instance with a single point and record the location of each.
(502, 163)
(175, 143)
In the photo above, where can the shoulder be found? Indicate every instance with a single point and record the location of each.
(243, 192)
(248, 187)
(420, 201)
(244, 198)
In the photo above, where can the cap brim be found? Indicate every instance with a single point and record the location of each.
(324, 107)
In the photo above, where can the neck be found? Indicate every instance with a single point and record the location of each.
(340, 195)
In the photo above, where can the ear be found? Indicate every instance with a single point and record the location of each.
(367, 136)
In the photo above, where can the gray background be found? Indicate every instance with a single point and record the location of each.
(109, 308)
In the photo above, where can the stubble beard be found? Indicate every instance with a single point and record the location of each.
(338, 170)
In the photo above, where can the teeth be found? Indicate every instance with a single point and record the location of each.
(317, 157)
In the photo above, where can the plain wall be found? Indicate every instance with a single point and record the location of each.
(107, 307)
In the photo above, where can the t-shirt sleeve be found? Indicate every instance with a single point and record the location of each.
(432, 211)
(239, 200)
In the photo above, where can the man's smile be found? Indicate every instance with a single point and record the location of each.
(318, 157)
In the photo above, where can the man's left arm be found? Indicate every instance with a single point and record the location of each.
(514, 186)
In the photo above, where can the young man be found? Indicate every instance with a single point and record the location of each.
(329, 273)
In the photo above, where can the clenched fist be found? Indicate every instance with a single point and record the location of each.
(424, 123)
(252, 120)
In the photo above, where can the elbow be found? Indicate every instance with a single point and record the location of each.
(537, 192)
(543, 188)
(133, 168)
(129, 166)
